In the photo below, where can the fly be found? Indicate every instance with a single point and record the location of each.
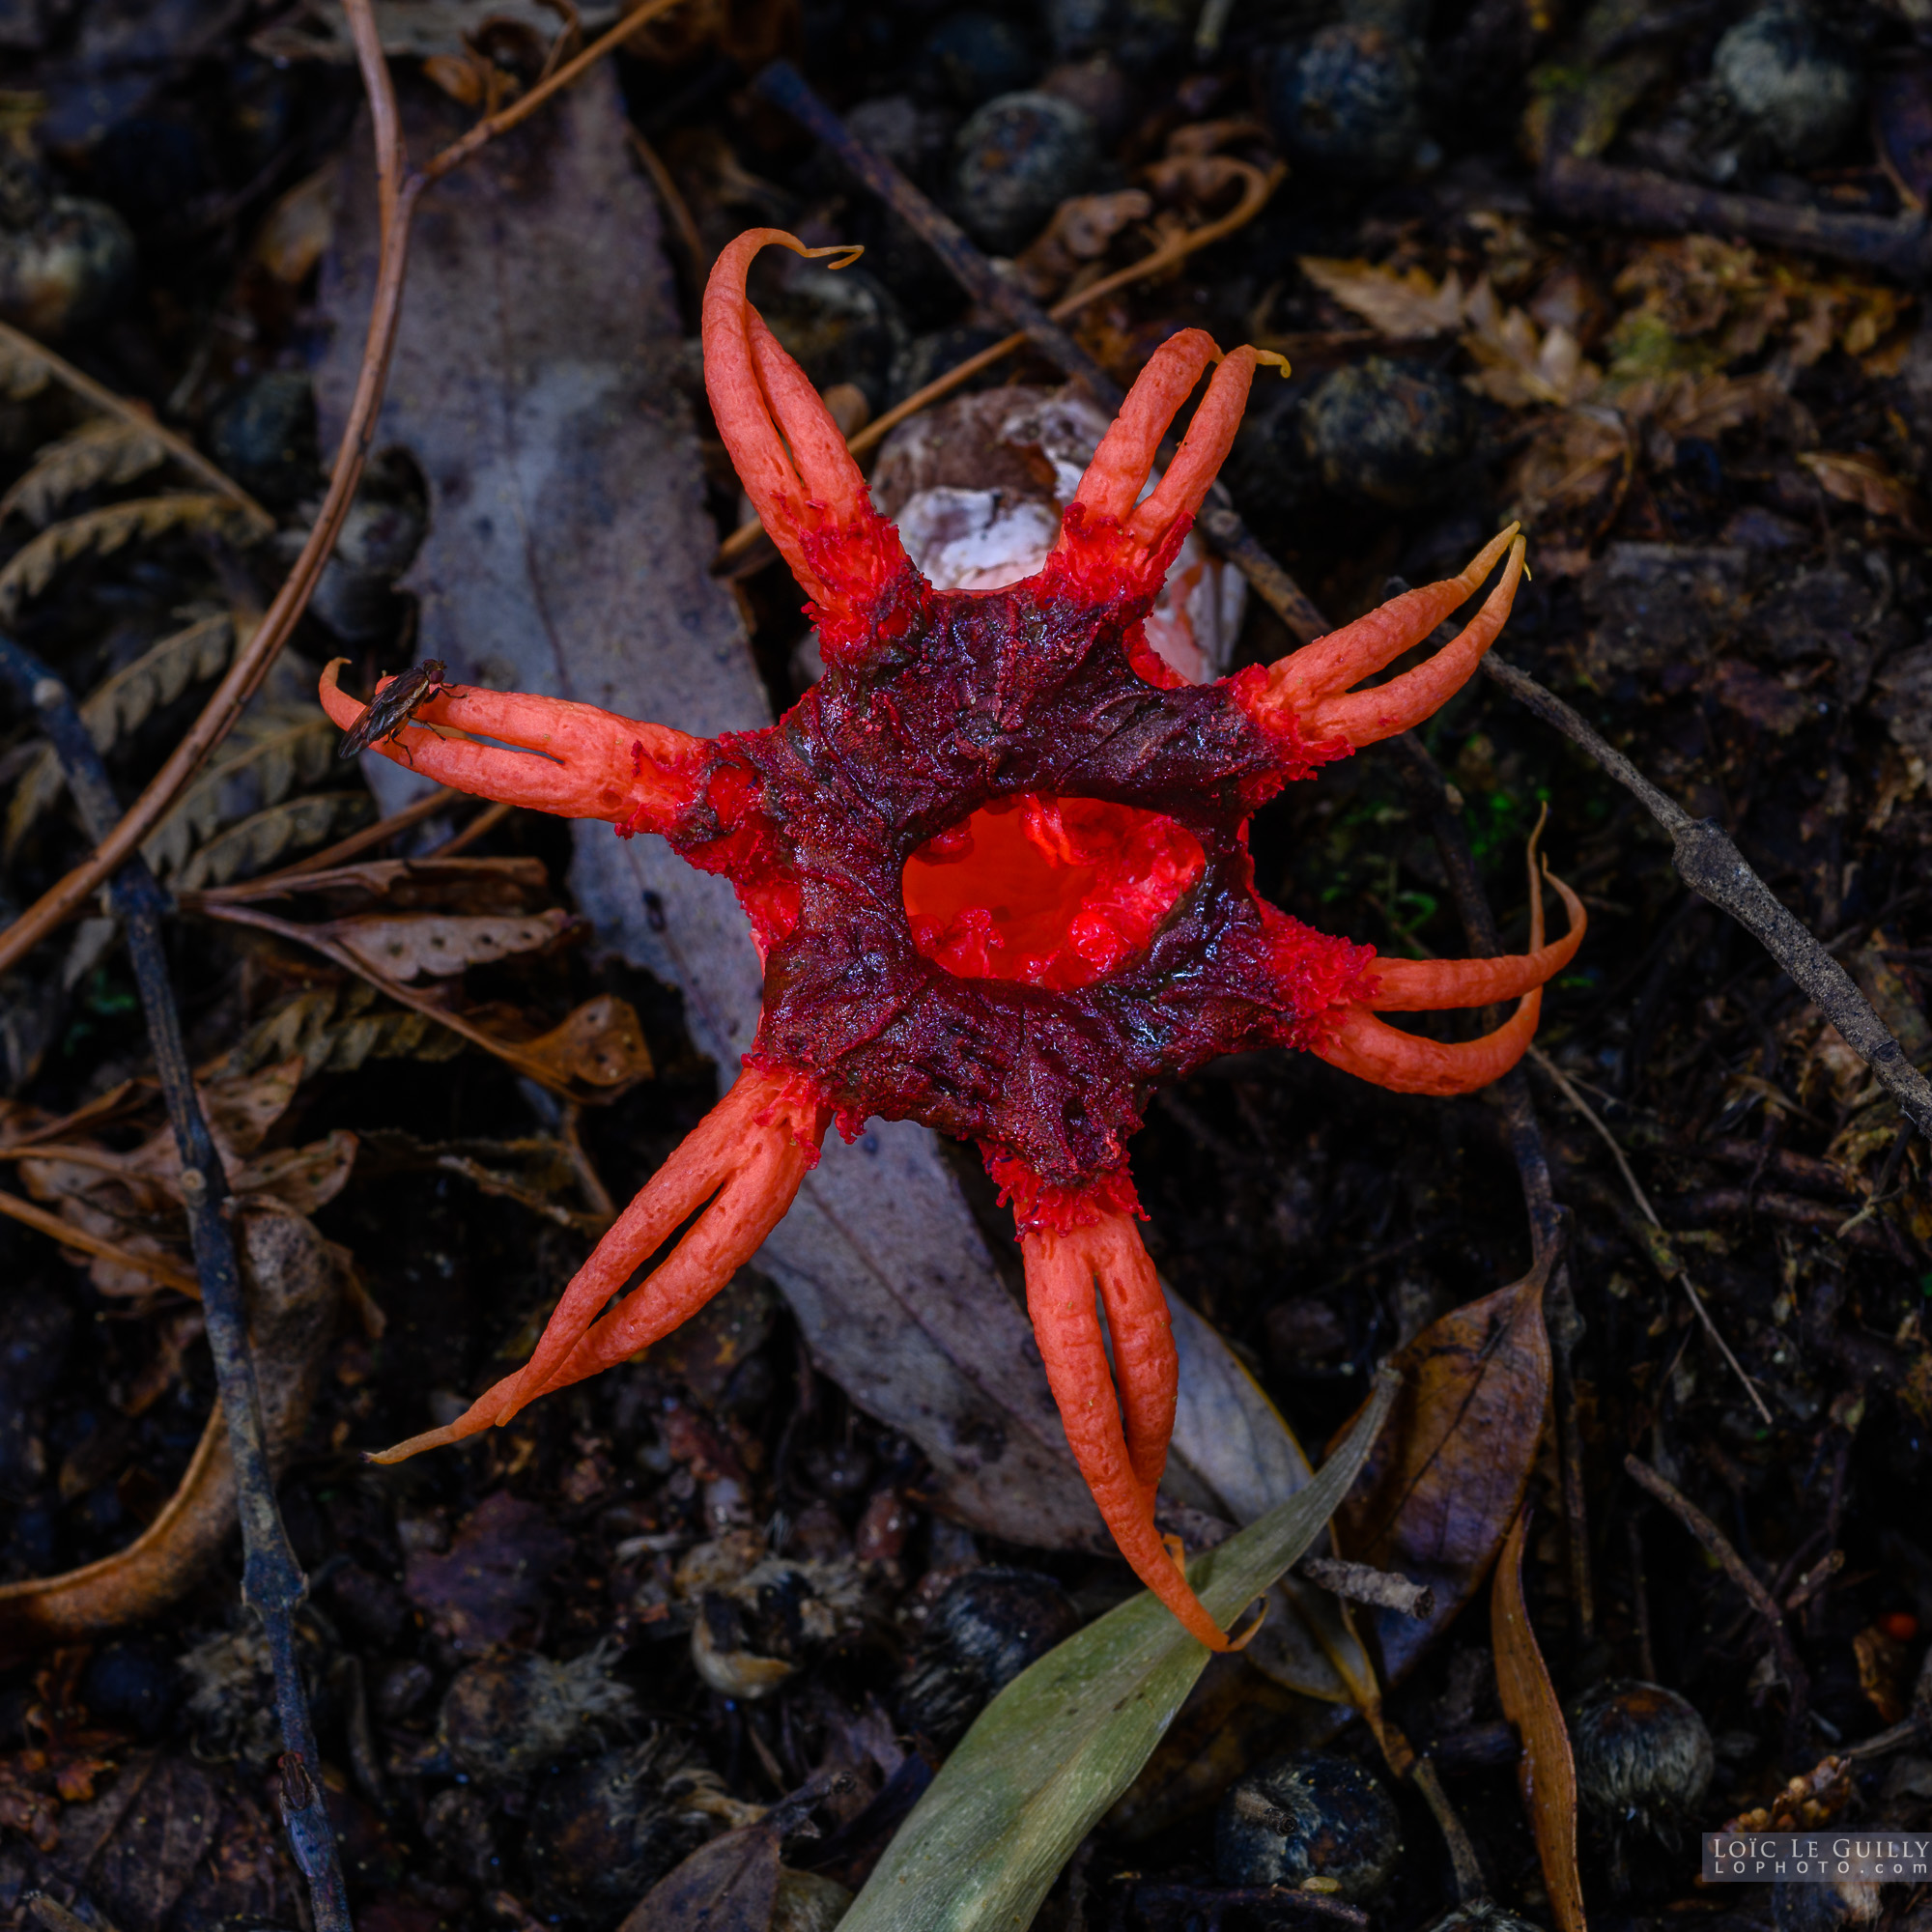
(400, 702)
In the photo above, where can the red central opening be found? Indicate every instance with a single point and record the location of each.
(1052, 892)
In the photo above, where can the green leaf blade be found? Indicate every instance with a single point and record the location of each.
(1054, 1750)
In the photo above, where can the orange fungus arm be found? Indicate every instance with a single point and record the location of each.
(746, 1159)
(1118, 1437)
(575, 760)
(1309, 688)
(1372, 1050)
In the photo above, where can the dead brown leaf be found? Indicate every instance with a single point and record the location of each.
(1547, 1772)
(731, 1885)
(1523, 366)
(292, 1289)
(1447, 1476)
(1758, 696)
(1401, 306)
(1860, 480)
(600, 1043)
(1881, 1659)
(493, 1574)
(439, 943)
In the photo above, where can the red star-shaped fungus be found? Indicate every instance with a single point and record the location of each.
(996, 865)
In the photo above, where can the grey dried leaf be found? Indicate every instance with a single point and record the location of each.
(438, 944)
(104, 450)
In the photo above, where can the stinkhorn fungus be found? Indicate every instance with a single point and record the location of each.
(996, 865)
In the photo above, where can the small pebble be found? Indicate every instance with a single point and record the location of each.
(1794, 80)
(1015, 161)
(973, 56)
(66, 262)
(1309, 1815)
(264, 435)
(1643, 1755)
(1343, 103)
(1145, 36)
(986, 1628)
(127, 1687)
(1388, 434)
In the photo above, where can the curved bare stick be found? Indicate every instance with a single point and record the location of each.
(578, 762)
(751, 1152)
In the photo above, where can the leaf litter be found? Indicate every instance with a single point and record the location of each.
(1720, 448)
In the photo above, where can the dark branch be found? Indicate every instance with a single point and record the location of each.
(271, 1580)
(1710, 864)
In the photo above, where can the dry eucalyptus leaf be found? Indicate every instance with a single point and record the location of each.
(601, 1044)
(437, 944)
(1448, 1476)
(1547, 1772)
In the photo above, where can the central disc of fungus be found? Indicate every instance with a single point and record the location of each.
(1052, 892)
(996, 865)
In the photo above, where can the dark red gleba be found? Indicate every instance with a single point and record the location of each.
(996, 865)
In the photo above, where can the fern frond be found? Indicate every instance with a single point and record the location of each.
(101, 452)
(121, 704)
(260, 771)
(101, 531)
(256, 842)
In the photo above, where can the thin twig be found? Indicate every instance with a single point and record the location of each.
(781, 84)
(1585, 191)
(676, 208)
(1431, 792)
(521, 109)
(1463, 1863)
(1717, 1545)
(104, 399)
(1567, 1089)
(1364, 1583)
(1710, 864)
(399, 192)
(1563, 1084)
(271, 1580)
